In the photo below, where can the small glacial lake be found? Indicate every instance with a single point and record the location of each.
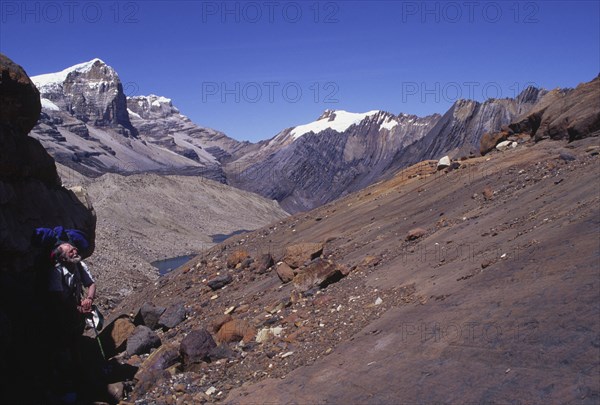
(166, 265)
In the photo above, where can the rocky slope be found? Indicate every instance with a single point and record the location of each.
(30, 196)
(478, 284)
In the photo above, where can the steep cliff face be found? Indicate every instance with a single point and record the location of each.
(309, 165)
(31, 196)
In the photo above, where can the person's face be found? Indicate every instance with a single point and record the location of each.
(69, 252)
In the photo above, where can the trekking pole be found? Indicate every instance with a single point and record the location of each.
(98, 338)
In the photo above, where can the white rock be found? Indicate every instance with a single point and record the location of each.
(502, 146)
(443, 162)
(262, 335)
(378, 301)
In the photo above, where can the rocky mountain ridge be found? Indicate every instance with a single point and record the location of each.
(302, 167)
(86, 124)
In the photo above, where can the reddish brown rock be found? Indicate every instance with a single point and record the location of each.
(161, 359)
(369, 261)
(489, 141)
(297, 255)
(236, 330)
(217, 322)
(264, 263)
(319, 273)
(114, 336)
(121, 330)
(237, 257)
(415, 233)
(488, 193)
(285, 272)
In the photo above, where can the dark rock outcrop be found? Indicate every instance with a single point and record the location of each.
(31, 196)
(564, 114)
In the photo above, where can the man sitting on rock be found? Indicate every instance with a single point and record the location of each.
(67, 307)
(67, 279)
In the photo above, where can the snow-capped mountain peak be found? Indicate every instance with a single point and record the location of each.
(337, 120)
(49, 81)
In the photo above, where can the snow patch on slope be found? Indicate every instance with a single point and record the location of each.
(49, 105)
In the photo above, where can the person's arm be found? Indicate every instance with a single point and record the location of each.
(87, 302)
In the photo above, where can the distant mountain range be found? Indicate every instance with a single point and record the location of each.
(89, 124)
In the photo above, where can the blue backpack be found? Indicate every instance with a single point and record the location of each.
(49, 238)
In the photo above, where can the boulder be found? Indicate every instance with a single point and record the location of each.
(505, 145)
(148, 315)
(217, 322)
(222, 351)
(285, 272)
(161, 359)
(236, 330)
(489, 141)
(114, 335)
(220, 281)
(488, 193)
(236, 258)
(142, 340)
(443, 163)
(415, 233)
(196, 347)
(319, 273)
(172, 317)
(297, 255)
(120, 332)
(566, 156)
(264, 262)
(19, 98)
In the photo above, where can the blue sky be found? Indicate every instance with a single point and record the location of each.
(251, 69)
